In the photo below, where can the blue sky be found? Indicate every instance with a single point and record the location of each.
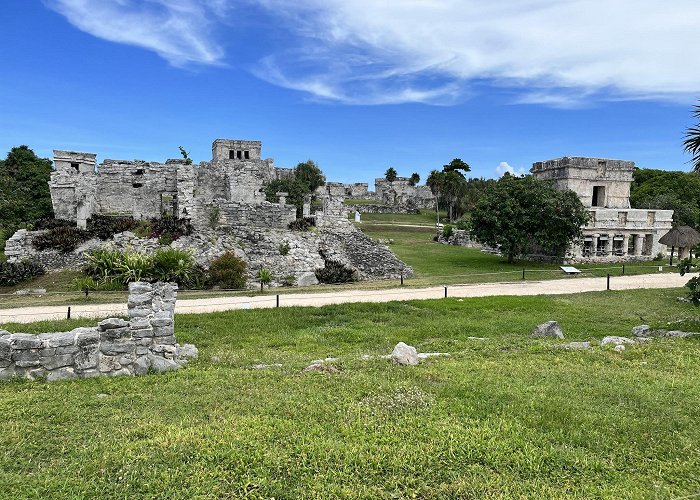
(356, 85)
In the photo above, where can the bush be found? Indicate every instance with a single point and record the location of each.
(303, 224)
(143, 229)
(108, 266)
(12, 273)
(264, 277)
(284, 248)
(170, 226)
(228, 272)
(62, 238)
(90, 283)
(447, 231)
(686, 266)
(289, 280)
(336, 272)
(50, 223)
(106, 226)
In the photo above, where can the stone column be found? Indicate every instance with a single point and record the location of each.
(306, 210)
(609, 244)
(638, 244)
(625, 243)
(594, 244)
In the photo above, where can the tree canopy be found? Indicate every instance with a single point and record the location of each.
(307, 177)
(24, 189)
(414, 179)
(519, 213)
(449, 185)
(668, 190)
(390, 174)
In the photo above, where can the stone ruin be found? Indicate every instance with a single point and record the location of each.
(397, 196)
(224, 201)
(615, 232)
(114, 347)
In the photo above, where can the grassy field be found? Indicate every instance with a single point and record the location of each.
(506, 417)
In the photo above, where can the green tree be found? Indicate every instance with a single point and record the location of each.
(414, 179)
(692, 141)
(455, 166)
(390, 174)
(185, 155)
(305, 179)
(668, 190)
(24, 189)
(517, 213)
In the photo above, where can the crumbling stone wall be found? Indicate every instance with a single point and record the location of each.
(400, 192)
(114, 347)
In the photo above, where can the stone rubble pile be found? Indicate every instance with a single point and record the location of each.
(114, 347)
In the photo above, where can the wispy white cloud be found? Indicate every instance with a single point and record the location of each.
(553, 52)
(504, 168)
(177, 30)
(569, 52)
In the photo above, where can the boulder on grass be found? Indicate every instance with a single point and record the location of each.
(548, 329)
(405, 354)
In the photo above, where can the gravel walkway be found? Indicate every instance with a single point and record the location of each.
(548, 287)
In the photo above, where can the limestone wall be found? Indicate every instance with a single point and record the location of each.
(400, 193)
(114, 347)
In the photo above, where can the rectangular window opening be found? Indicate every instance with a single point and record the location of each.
(139, 171)
(239, 154)
(246, 154)
(598, 196)
(231, 154)
(75, 166)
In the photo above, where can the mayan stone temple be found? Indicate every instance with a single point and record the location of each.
(615, 232)
(225, 203)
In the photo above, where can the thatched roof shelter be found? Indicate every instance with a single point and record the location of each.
(681, 237)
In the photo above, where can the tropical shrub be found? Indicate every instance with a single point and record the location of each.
(12, 273)
(264, 277)
(335, 272)
(447, 231)
(106, 226)
(303, 224)
(228, 272)
(62, 238)
(173, 227)
(284, 248)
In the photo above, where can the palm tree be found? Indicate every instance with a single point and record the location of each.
(692, 141)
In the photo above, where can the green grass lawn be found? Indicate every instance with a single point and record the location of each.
(507, 417)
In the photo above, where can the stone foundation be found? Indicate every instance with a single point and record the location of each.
(114, 347)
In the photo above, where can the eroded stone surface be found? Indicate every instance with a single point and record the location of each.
(404, 354)
(548, 329)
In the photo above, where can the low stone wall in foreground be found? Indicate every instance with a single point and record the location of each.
(114, 347)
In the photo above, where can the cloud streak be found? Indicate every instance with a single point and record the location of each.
(179, 31)
(561, 54)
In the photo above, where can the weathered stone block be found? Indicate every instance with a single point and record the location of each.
(122, 372)
(5, 350)
(187, 351)
(169, 340)
(47, 351)
(26, 358)
(25, 341)
(139, 288)
(53, 362)
(140, 300)
(163, 331)
(140, 323)
(90, 373)
(159, 364)
(164, 350)
(116, 348)
(162, 318)
(144, 333)
(141, 350)
(111, 323)
(7, 373)
(548, 329)
(144, 342)
(35, 373)
(57, 339)
(139, 312)
(116, 333)
(109, 364)
(141, 365)
(88, 351)
(71, 349)
(66, 373)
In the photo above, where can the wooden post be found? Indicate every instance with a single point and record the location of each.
(671, 261)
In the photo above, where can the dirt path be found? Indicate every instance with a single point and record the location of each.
(549, 287)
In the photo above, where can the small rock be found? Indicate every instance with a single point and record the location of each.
(548, 329)
(404, 354)
(477, 338)
(216, 359)
(159, 364)
(101, 395)
(577, 345)
(616, 340)
(619, 348)
(321, 367)
(111, 323)
(187, 351)
(365, 357)
(641, 331)
(326, 360)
